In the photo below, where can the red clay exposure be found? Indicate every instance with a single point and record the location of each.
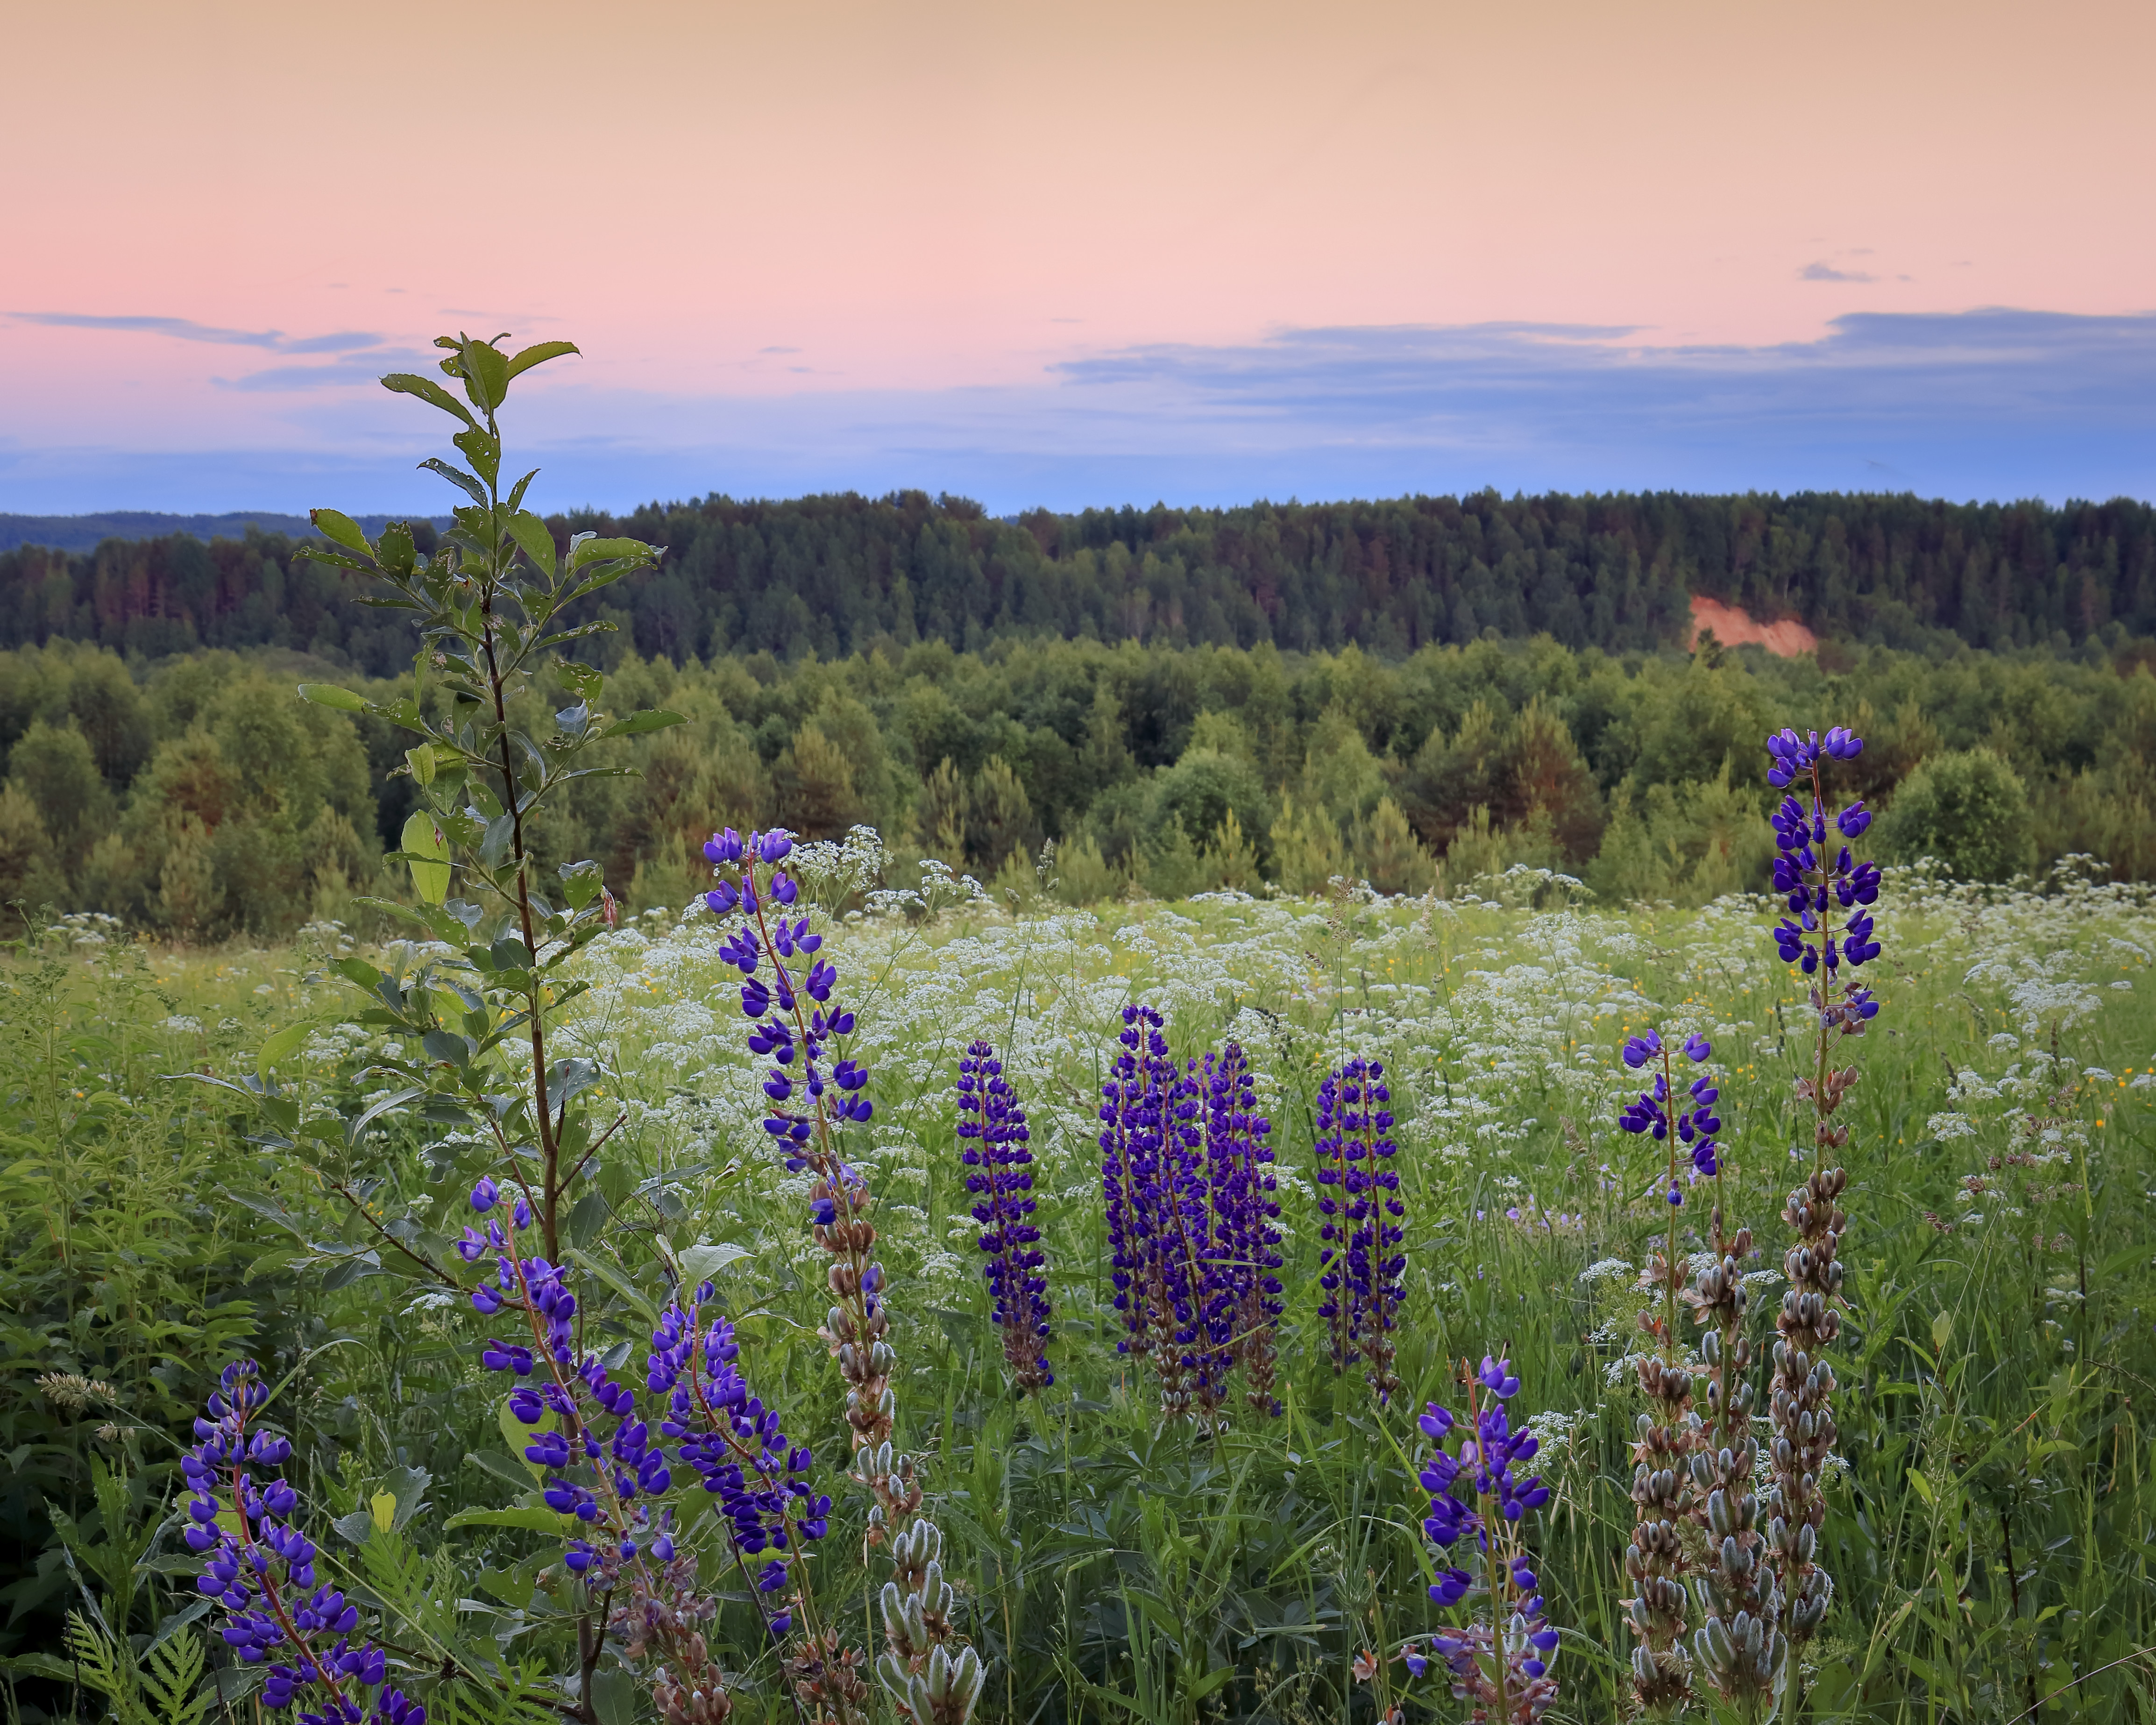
(1734, 628)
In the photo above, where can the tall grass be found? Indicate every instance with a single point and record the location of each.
(1988, 1536)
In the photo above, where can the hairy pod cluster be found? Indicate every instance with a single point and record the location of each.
(1739, 1646)
(827, 1678)
(918, 1669)
(689, 1691)
(1654, 1560)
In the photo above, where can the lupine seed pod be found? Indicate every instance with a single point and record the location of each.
(1739, 1646)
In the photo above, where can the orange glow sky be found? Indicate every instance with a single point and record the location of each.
(722, 201)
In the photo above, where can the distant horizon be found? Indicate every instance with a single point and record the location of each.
(19, 528)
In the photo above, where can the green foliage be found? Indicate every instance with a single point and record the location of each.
(125, 1273)
(1968, 810)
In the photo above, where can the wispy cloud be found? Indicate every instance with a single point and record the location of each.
(1822, 271)
(186, 329)
(1995, 403)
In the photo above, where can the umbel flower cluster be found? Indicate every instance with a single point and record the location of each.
(815, 1090)
(1500, 1661)
(259, 1568)
(992, 1137)
(1361, 1264)
(1193, 1233)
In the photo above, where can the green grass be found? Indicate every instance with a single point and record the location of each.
(1996, 1360)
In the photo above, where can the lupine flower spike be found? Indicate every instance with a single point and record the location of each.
(1739, 1645)
(816, 1091)
(1817, 886)
(1246, 1219)
(1360, 1262)
(259, 1568)
(1152, 1180)
(1499, 1662)
(992, 1137)
(1666, 1436)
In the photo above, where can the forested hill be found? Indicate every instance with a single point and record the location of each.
(833, 575)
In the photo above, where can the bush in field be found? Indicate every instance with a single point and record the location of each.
(1968, 810)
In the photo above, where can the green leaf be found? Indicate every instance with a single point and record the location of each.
(580, 883)
(587, 548)
(613, 1695)
(636, 724)
(457, 476)
(421, 838)
(334, 524)
(1941, 1331)
(486, 374)
(281, 1044)
(395, 551)
(531, 533)
(613, 1278)
(348, 1270)
(396, 1099)
(329, 695)
(704, 1259)
(537, 354)
(483, 450)
(421, 761)
(337, 560)
(584, 681)
(428, 390)
(537, 1517)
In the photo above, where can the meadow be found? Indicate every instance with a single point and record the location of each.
(1988, 1513)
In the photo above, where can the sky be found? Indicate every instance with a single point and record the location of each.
(1062, 255)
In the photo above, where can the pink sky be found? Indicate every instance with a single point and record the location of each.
(723, 200)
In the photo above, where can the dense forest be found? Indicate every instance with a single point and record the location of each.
(830, 577)
(197, 797)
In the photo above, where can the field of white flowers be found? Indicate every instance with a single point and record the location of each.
(1992, 1501)
(1997, 1351)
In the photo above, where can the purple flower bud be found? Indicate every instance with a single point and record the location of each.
(1697, 1048)
(484, 1194)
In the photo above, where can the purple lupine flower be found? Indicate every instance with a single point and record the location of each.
(262, 1574)
(1245, 1252)
(735, 1444)
(1158, 1212)
(1500, 1662)
(992, 1134)
(1687, 1116)
(1361, 1267)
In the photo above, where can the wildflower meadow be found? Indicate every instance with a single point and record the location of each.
(853, 1294)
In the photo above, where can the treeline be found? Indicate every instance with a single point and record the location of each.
(201, 799)
(834, 576)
